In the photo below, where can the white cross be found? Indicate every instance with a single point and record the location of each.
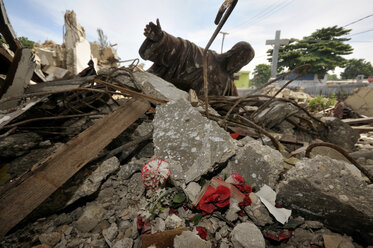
(276, 42)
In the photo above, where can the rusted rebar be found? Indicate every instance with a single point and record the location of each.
(226, 7)
(344, 153)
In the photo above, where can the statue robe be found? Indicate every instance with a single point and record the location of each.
(180, 62)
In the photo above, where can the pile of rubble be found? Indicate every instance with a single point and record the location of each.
(125, 159)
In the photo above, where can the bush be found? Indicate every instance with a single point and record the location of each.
(319, 103)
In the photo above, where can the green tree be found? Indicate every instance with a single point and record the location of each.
(332, 77)
(355, 67)
(26, 43)
(323, 49)
(262, 73)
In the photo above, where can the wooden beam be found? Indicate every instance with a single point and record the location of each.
(52, 172)
(358, 120)
(7, 31)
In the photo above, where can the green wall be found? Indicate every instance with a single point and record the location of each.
(243, 81)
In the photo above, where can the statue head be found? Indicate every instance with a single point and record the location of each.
(237, 57)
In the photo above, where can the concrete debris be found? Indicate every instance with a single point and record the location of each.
(74, 157)
(93, 182)
(188, 239)
(340, 133)
(18, 78)
(186, 139)
(257, 212)
(256, 163)
(247, 235)
(299, 96)
(21, 144)
(337, 192)
(268, 198)
(361, 101)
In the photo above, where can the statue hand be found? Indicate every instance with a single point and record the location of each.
(153, 32)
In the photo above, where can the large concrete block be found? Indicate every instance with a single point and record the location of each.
(191, 143)
(332, 192)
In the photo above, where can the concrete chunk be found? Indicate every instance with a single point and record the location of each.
(188, 239)
(247, 235)
(256, 163)
(196, 144)
(157, 87)
(328, 190)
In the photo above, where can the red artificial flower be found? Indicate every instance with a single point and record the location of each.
(201, 232)
(278, 236)
(246, 202)
(214, 198)
(235, 135)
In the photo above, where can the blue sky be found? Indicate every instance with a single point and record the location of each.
(254, 21)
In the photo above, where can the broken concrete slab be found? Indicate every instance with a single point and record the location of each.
(18, 78)
(339, 133)
(275, 113)
(157, 87)
(189, 239)
(256, 163)
(55, 73)
(93, 182)
(190, 142)
(362, 101)
(247, 235)
(78, 49)
(324, 189)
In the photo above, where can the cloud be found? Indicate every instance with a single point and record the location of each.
(123, 21)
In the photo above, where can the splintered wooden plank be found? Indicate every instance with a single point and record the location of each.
(53, 171)
(7, 31)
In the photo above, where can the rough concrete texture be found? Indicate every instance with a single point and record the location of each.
(275, 113)
(257, 212)
(183, 135)
(247, 235)
(256, 163)
(327, 190)
(157, 87)
(18, 144)
(362, 101)
(188, 239)
(340, 133)
(123, 243)
(93, 182)
(90, 218)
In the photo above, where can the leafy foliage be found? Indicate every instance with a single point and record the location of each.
(26, 43)
(355, 67)
(319, 103)
(323, 49)
(332, 77)
(262, 73)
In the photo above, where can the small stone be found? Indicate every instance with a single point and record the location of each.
(188, 239)
(159, 225)
(136, 187)
(90, 218)
(247, 235)
(111, 232)
(173, 221)
(123, 243)
(50, 238)
(192, 191)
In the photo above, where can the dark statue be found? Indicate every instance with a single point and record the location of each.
(181, 62)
